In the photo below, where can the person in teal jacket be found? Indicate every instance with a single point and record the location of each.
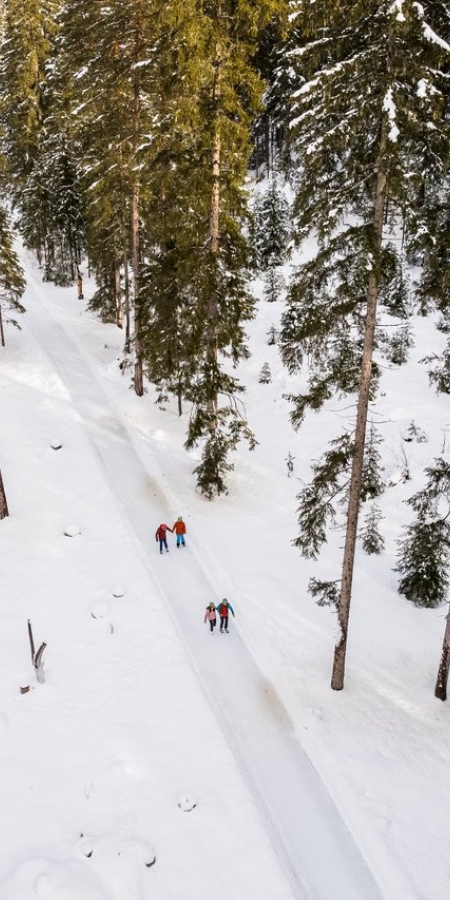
(224, 609)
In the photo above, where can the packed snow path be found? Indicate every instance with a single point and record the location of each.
(319, 855)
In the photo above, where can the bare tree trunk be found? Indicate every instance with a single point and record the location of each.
(138, 371)
(337, 680)
(4, 512)
(127, 311)
(80, 294)
(135, 233)
(118, 293)
(440, 690)
(31, 640)
(214, 226)
(2, 333)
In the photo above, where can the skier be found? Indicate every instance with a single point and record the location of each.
(161, 536)
(224, 608)
(180, 530)
(210, 616)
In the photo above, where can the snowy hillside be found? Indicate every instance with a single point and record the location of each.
(296, 791)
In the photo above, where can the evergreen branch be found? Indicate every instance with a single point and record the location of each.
(316, 510)
(326, 592)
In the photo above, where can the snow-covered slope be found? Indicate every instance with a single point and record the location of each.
(298, 791)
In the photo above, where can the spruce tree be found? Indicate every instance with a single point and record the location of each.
(12, 282)
(370, 78)
(196, 300)
(372, 540)
(51, 206)
(424, 550)
(273, 284)
(28, 40)
(265, 375)
(273, 232)
(372, 484)
(106, 60)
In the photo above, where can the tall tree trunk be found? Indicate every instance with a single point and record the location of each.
(118, 293)
(138, 370)
(135, 231)
(127, 300)
(337, 680)
(4, 512)
(440, 690)
(214, 225)
(2, 333)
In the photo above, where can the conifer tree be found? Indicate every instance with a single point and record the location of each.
(223, 300)
(370, 80)
(12, 282)
(29, 33)
(424, 550)
(372, 484)
(273, 225)
(106, 60)
(51, 207)
(372, 540)
(196, 299)
(273, 284)
(265, 375)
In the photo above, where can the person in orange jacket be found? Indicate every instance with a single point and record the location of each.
(179, 529)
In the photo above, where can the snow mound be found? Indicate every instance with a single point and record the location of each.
(56, 444)
(87, 849)
(118, 591)
(72, 530)
(186, 802)
(100, 609)
(68, 880)
(140, 850)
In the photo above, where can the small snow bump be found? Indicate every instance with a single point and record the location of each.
(141, 850)
(56, 444)
(72, 530)
(100, 609)
(186, 802)
(87, 849)
(118, 591)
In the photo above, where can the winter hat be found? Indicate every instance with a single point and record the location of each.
(180, 518)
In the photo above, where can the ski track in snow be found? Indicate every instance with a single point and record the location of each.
(310, 837)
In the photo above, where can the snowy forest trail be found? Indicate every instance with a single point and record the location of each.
(319, 855)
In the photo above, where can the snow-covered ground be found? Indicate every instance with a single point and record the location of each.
(298, 791)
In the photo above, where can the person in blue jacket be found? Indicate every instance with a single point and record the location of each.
(224, 609)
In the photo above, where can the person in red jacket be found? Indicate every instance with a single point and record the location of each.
(161, 536)
(180, 530)
(224, 609)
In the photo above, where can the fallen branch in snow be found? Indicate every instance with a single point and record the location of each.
(36, 656)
